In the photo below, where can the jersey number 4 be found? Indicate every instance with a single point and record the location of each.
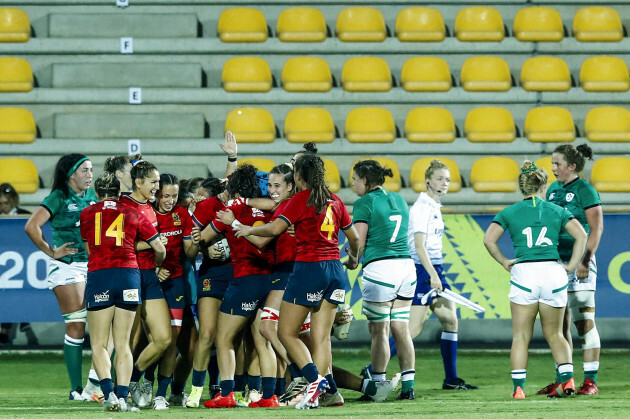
(115, 229)
(328, 225)
(540, 241)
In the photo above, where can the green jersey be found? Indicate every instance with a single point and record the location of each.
(576, 196)
(64, 219)
(535, 226)
(387, 216)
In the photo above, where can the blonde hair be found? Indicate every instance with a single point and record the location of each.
(433, 166)
(532, 178)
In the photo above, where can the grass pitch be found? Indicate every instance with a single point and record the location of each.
(34, 384)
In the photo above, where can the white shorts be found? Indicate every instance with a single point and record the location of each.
(60, 273)
(388, 279)
(534, 282)
(587, 284)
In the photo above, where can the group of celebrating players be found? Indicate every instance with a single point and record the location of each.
(241, 277)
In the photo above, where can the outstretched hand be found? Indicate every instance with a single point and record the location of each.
(230, 146)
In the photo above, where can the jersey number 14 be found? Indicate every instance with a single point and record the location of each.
(114, 230)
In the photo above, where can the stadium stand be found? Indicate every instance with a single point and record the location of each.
(430, 124)
(302, 125)
(545, 74)
(14, 25)
(371, 125)
(15, 75)
(489, 74)
(306, 74)
(251, 125)
(478, 23)
(366, 74)
(360, 24)
(604, 74)
(607, 124)
(597, 24)
(538, 24)
(246, 74)
(494, 174)
(420, 24)
(301, 24)
(242, 24)
(259, 163)
(426, 74)
(490, 124)
(332, 177)
(549, 124)
(611, 174)
(418, 169)
(17, 125)
(391, 183)
(21, 173)
(545, 163)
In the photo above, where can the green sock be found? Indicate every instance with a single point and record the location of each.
(407, 385)
(518, 378)
(564, 373)
(592, 375)
(370, 389)
(72, 350)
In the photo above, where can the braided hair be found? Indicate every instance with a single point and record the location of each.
(531, 178)
(311, 170)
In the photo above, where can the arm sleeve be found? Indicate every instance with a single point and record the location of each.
(566, 217)
(294, 209)
(146, 230)
(419, 216)
(589, 197)
(361, 212)
(346, 221)
(52, 203)
(187, 223)
(203, 214)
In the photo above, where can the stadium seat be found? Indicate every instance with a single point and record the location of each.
(419, 168)
(366, 74)
(545, 163)
(420, 24)
(360, 24)
(332, 176)
(479, 23)
(607, 124)
(549, 124)
(242, 24)
(14, 25)
(17, 125)
(490, 124)
(246, 74)
(430, 125)
(20, 173)
(301, 24)
(302, 125)
(494, 174)
(545, 74)
(251, 125)
(259, 163)
(370, 125)
(426, 74)
(306, 74)
(604, 74)
(485, 73)
(597, 24)
(394, 183)
(15, 75)
(611, 174)
(538, 24)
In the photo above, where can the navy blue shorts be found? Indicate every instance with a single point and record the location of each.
(246, 294)
(151, 289)
(112, 286)
(424, 284)
(280, 275)
(215, 281)
(310, 282)
(173, 289)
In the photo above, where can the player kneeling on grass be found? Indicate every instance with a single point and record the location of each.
(538, 280)
(109, 230)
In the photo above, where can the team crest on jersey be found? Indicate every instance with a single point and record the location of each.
(206, 284)
(102, 297)
(176, 220)
(338, 295)
(569, 197)
(131, 295)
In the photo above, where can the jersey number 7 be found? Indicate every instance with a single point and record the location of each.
(115, 229)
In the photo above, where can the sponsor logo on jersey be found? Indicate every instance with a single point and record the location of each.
(176, 220)
(315, 296)
(73, 207)
(109, 205)
(206, 284)
(338, 295)
(131, 295)
(100, 298)
(569, 197)
(251, 306)
(171, 233)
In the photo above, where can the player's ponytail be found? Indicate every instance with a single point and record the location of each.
(107, 186)
(373, 173)
(532, 178)
(311, 169)
(575, 155)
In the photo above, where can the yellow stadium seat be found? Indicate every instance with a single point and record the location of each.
(494, 174)
(430, 125)
(301, 24)
(611, 174)
(420, 166)
(360, 24)
(14, 25)
(489, 124)
(370, 125)
(394, 183)
(597, 24)
(242, 24)
(538, 24)
(20, 173)
(15, 75)
(302, 125)
(251, 125)
(426, 74)
(366, 74)
(485, 74)
(17, 125)
(545, 74)
(479, 23)
(332, 176)
(604, 74)
(607, 123)
(545, 163)
(420, 24)
(259, 163)
(549, 124)
(246, 74)
(306, 74)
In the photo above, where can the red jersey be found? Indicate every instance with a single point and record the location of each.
(176, 226)
(247, 258)
(316, 234)
(286, 246)
(146, 258)
(206, 211)
(111, 229)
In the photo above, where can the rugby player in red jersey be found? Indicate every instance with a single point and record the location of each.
(109, 230)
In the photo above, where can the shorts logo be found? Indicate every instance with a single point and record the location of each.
(249, 306)
(273, 281)
(338, 295)
(206, 284)
(131, 295)
(179, 298)
(569, 197)
(100, 298)
(176, 220)
(314, 297)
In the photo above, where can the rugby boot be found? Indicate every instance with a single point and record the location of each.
(331, 400)
(548, 389)
(194, 397)
(178, 399)
(111, 403)
(220, 401)
(588, 388)
(407, 395)
(518, 393)
(565, 389)
(297, 386)
(458, 384)
(270, 402)
(314, 390)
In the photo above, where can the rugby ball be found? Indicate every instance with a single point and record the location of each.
(224, 248)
